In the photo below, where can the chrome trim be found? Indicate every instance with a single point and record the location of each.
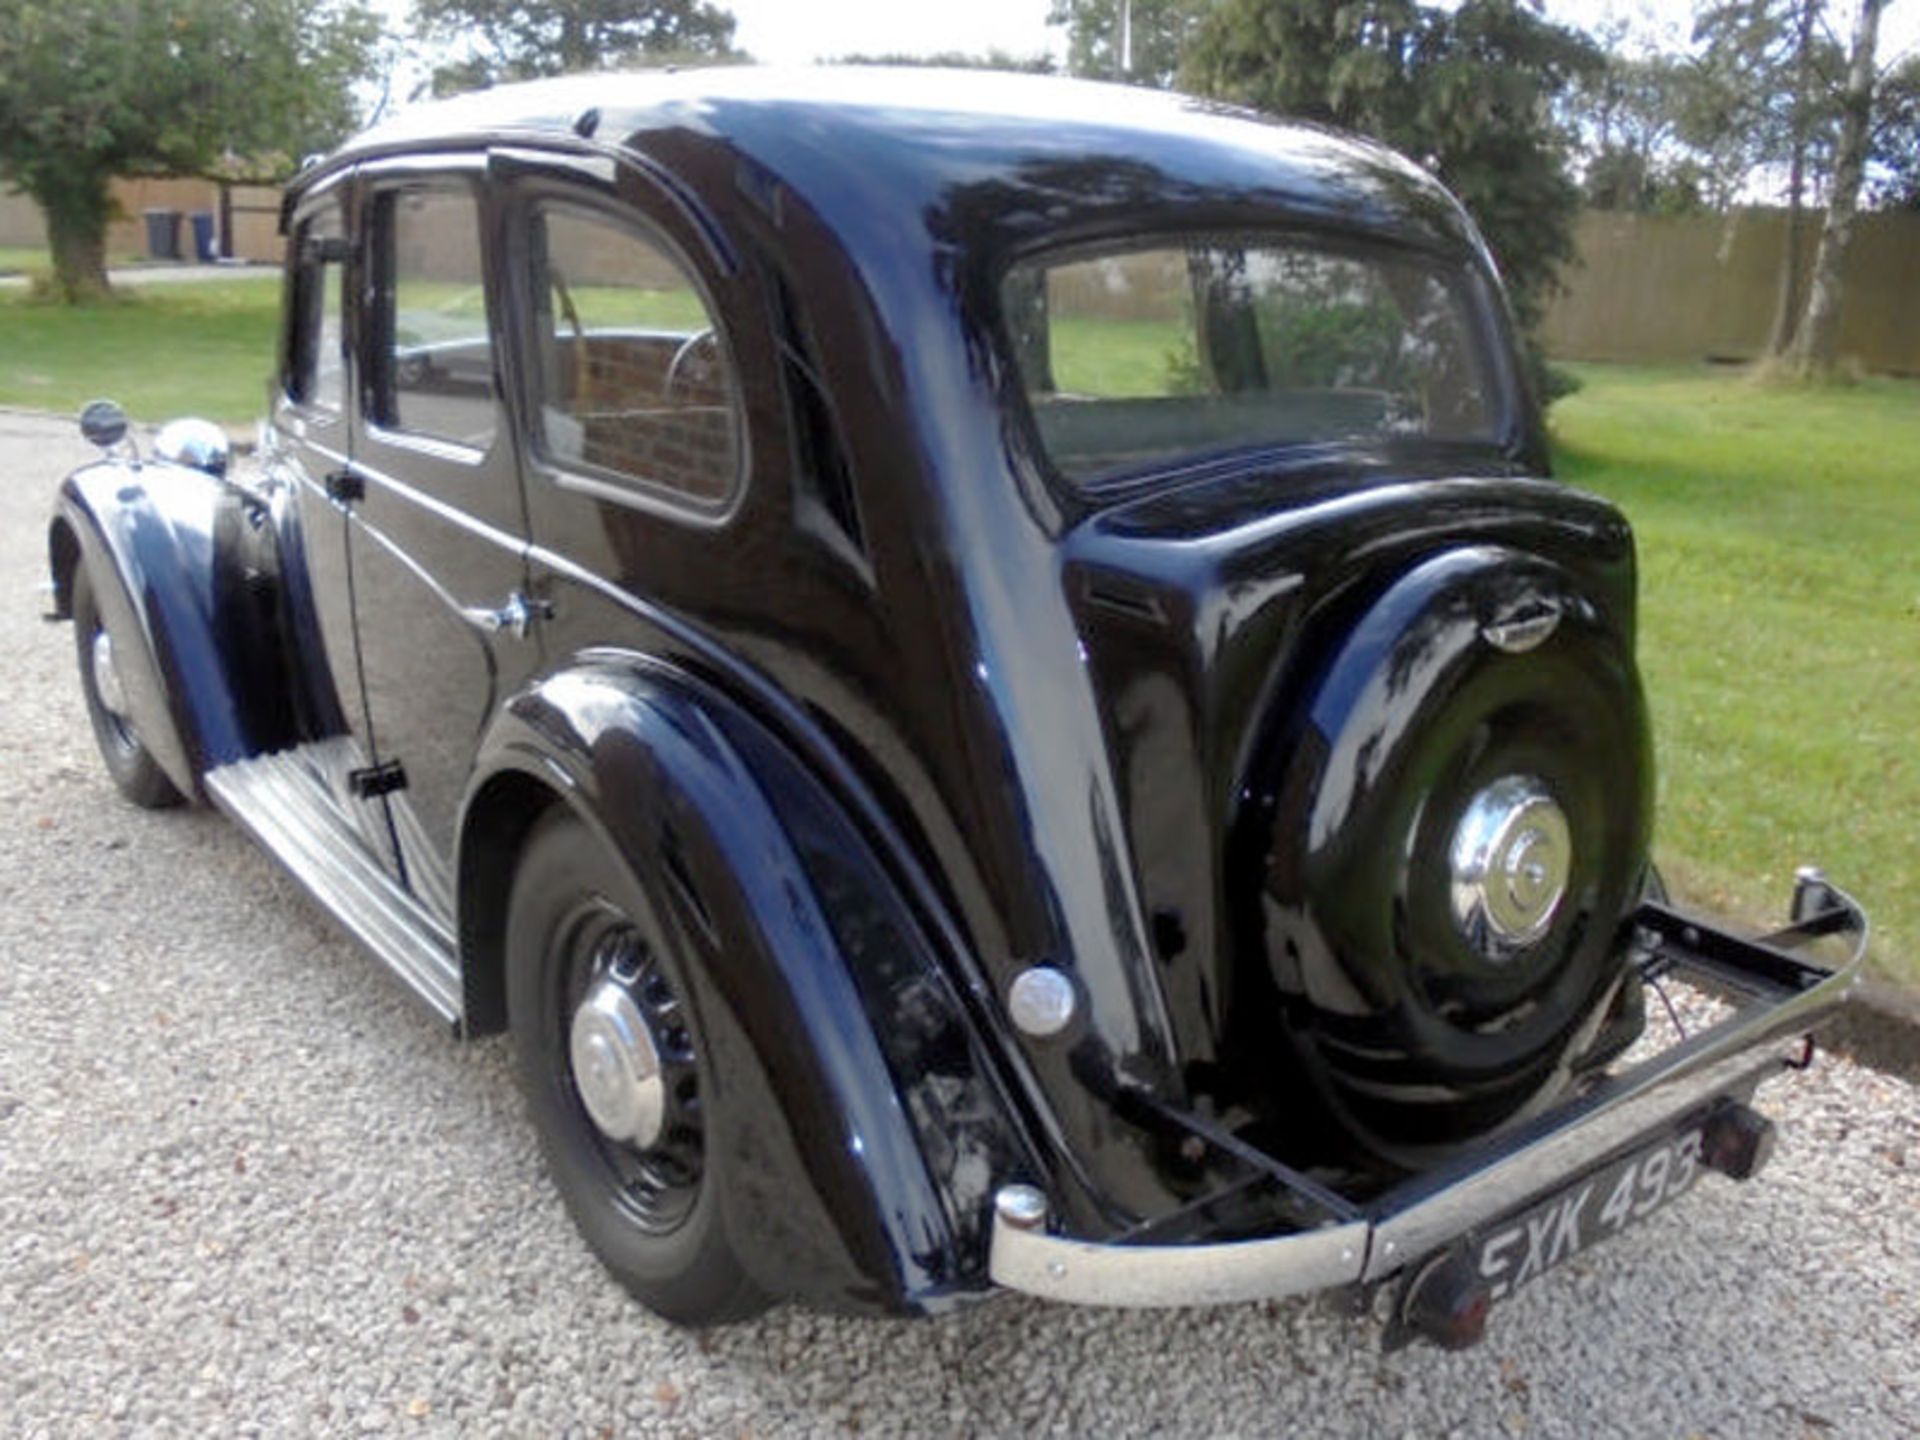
(1428, 1213)
(285, 802)
(616, 1065)
(1511, 855)
(1041, 1001)
(1612, 1123)
(1525, 628)
(106, 676)
(1082, 1272)
(197, 444)
(515, 616)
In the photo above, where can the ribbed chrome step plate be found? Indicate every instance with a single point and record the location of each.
(286, 803)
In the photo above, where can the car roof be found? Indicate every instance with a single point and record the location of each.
(993, 154)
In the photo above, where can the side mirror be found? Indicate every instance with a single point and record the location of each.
(197, 444)
(103, 423)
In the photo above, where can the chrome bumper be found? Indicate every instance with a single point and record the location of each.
(1776, 994)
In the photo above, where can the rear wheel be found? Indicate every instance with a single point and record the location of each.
(616, 1074)
(128, 761)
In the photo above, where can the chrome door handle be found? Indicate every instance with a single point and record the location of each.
(516, 616)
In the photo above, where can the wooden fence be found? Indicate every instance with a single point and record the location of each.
(1696, 287)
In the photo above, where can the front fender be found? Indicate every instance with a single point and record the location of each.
(865, 1130)
(166, 548)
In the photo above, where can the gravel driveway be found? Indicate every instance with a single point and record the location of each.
(245, 1185)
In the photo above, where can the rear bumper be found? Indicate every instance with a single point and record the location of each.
(1777, 995)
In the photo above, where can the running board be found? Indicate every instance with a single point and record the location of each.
(285, 802)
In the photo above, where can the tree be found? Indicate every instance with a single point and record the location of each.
(91, 89)
(1467, 91)
(1158, 32)
(526, 39)
(1895, 157)
(1814, 351)
(1631, 114)
(1770, 82)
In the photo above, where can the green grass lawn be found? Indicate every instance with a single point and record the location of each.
(206, 347)
(201, 348)
(1780, 626)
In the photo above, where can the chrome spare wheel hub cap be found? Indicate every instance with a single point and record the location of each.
(616, 1065)
(106, 678)
(1512, 854)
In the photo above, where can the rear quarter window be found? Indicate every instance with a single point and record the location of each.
(636, 391)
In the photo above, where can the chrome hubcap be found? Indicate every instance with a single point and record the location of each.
(1511, 858)
(616, 1065)
(106, 678)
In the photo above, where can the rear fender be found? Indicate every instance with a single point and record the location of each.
(176, 559)
(862, 1130)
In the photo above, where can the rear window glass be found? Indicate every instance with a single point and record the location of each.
(1139, 356)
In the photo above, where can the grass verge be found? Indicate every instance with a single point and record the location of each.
(200, 348)
(1779, 533)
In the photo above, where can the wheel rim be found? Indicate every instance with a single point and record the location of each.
(1510, 860)
(629, 1066)
(109, 694)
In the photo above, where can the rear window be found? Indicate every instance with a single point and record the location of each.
(1135, 357)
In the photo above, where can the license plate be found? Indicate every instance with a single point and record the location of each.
(1596, 1208)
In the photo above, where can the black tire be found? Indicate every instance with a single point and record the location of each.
(652, 1214)
(132, 766)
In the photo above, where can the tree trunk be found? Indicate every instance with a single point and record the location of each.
(77, 204)
(1786, 309)
(1815, 347)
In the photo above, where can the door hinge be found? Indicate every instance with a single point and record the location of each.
(377, 780)
(345, 486)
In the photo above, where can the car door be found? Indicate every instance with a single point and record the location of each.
(436, 536)
(309, 451)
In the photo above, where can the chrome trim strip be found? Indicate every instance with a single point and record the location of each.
(285, 802)
(1083, 1272)
(1431, 1212)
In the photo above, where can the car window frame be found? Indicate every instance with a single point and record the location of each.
(376, 294)
(606, 192)
(1480, 303)
(301, 308)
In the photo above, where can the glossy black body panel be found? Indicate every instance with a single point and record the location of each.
(859, 1121)
(184, 569)
(911, 714)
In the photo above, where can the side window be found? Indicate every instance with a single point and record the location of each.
(635, 386)
(314, 373)
(434, 370)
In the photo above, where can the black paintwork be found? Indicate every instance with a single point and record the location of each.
(967, 717)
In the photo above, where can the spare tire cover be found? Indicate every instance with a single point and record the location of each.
(1439, 848)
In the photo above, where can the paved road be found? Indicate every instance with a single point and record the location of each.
(169, 274)
(246, 1186)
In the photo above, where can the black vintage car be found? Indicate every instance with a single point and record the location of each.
(986, 674)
